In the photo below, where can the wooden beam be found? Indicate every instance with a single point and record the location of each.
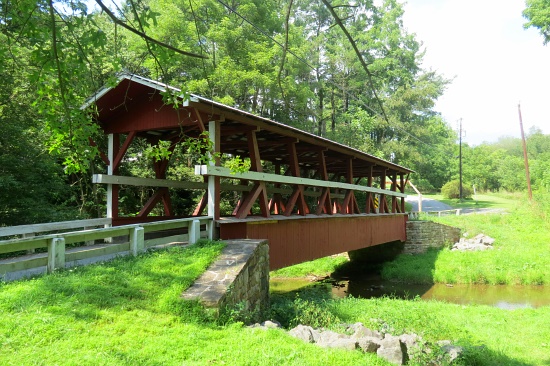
(201, 205)
(371, 208)
(283, 179)
(350, 203)
(324, 204)
(298, 194)
(214, 181)
(112, 189)
(52, 226)
(232, 114)
(152, 202)
(152, 182)
(256, 165)
(248, 202)
(146, 182)
(123, 149)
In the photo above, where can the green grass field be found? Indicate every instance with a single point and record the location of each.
(521, 253)
(129, 311)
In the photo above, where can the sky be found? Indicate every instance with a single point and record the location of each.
(493, 62)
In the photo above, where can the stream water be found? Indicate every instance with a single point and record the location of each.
(369, 286)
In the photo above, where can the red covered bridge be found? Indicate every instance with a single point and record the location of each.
(311, 197)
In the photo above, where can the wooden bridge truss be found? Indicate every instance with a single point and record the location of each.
(292, 173)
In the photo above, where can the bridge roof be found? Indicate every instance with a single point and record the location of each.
(135, 104)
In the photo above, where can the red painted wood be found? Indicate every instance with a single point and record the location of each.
(299, 240)
(123, 149)
(233, 231)
(148, 113)
(152, 202)
(201, 205)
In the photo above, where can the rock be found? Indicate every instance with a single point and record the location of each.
(303, 332)
(368, 344)
(271, 324)
(411, 341)
(358, 330)
(451, 351)
(268, 324)
(392, 350)
(479, 242)
(330, 339)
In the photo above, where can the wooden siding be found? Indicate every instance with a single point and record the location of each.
(301, 240)
(146, 113)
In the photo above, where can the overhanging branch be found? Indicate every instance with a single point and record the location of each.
(143, 35)
(358, 53)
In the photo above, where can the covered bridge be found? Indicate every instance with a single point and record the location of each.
(311, 197)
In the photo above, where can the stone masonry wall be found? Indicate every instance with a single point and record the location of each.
(422, 235)
(238, 279)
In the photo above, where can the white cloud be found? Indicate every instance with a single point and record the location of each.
(495, 64)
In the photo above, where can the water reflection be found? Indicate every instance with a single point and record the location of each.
(501, 296)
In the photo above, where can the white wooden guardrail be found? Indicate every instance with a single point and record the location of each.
(59, 257)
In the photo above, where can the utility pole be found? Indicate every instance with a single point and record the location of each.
(460, 158)
(525, 156)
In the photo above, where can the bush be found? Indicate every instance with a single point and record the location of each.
(452, 190)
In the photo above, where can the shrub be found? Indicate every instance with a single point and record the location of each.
(451, 190)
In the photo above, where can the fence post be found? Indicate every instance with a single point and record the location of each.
(29, 235)
(56, 254)
(137, 240)
(89, 242)
(194, 231)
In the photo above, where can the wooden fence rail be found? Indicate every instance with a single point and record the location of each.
(59, 256)
(34, 229)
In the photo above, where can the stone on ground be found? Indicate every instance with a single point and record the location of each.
(392, 350)
(303, 332)
(330, 339)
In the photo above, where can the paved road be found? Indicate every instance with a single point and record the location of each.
(433, 205)
(427, 204)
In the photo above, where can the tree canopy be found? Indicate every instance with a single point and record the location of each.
(283, 60)
(538, 14)
(348, 71)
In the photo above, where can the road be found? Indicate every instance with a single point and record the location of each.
(427, 204)
(434, 205)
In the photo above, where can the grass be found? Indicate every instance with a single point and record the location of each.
(319, 268)
(490, 336)
(521, 253)
(129, 312)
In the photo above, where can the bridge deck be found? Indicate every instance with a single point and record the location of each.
(298, 239)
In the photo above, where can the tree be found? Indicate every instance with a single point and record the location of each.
(32, 184)
(538, 14)
(283, 60)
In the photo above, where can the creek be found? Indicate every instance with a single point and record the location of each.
(372, 286)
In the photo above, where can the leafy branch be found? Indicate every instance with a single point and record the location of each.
(142, 34)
